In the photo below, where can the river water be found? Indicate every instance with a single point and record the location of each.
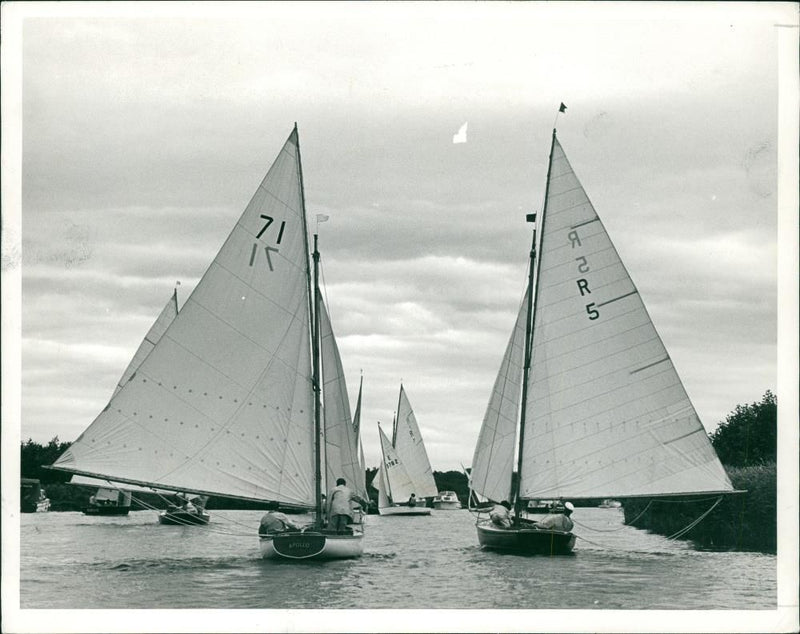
(71, 561)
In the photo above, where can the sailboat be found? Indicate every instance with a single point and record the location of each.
(586, 392)
(362, 468)
(228, 402)
(405, 469)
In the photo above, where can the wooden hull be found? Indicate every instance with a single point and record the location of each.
(404, 510)
(311, 545)
(182, 518)
(106, 510)
(525, 541)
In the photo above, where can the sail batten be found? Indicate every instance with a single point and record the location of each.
(606, 414)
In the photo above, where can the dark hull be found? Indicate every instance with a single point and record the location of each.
(106, 510)
(182, 518)
(525, 541)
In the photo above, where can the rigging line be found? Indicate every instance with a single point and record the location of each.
(614, 530)
(697, 521)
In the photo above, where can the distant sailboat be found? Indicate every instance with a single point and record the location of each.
(587, 385)
(362, 474)
(228, 401)
(405, 469)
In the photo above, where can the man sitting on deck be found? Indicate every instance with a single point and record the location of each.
(276, 522)
(558, 521)
(500, 516)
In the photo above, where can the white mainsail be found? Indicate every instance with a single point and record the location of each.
(357, 431)
(399, 485)
(223, 403)
(341, 440)
(493, 461)
(382, 486)
(411, 450)
(150, 340)
(607, 415)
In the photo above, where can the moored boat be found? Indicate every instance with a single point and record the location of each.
(33, 498)
(108, 501)
(446, 501)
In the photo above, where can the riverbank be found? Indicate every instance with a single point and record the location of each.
(745, 521)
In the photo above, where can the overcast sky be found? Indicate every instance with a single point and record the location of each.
(145, 133)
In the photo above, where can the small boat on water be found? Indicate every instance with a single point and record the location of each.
(610, 504)
(540, 506)
(446, 501)
(33, 498)
(405, 476)
(228, 401)
(585, 384)
(190, 510)
(108, 501)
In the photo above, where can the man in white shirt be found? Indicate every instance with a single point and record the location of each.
(558, 521)
(500, 516)
(276, 522)
(340, 506)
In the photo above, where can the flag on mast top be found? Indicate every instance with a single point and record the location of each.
(561, 108)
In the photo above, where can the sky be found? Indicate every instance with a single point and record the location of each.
(144, 133)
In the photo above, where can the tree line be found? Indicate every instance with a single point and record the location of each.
(746, 438)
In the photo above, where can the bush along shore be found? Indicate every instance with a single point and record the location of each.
(743, 521)
(746, 444)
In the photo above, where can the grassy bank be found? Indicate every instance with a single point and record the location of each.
(746, 521)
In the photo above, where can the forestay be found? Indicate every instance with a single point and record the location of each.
(492, 464)
(607, 415)
(223, 403)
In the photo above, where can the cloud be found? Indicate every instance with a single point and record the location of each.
(145, 138)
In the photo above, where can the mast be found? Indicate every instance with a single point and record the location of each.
(396, 415)
(314, 316)
(532, 290)
(316, 387)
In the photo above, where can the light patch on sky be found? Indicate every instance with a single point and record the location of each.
(145, 136)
